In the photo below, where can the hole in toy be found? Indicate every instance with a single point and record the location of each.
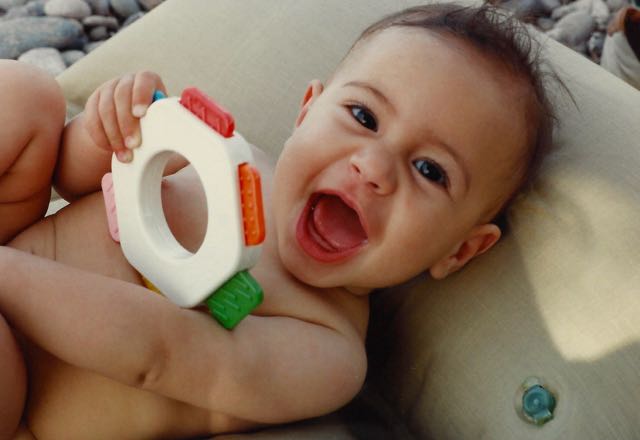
(184, 203)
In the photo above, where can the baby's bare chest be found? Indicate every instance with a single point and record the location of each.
(69, 402)
(81, 239)
(65, 400)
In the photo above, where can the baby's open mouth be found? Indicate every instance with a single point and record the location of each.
(329, 229)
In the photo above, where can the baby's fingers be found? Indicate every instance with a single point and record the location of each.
(93, 124)
(107, 108)
(145, 83)
(129, 125)
(100, 105)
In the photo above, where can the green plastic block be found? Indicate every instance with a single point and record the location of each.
(235, 299)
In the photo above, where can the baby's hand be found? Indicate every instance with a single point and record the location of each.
(113, 111)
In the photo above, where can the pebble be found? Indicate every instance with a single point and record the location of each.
(595, 45)
(46, 58)
(77, 9)
(7, 4)
(616, 5)
(99, 7)
(125, 8)
(148, 5)
(574, 29)
(98, 33)
(21, 34)
(579, 24)
(133, 17)
(545, 24)
(72, 56)
(99, 20)
(74, 27)
(92, 46)
(33, 9)
(533, 8)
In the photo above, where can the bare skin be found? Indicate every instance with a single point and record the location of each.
(106, 358)
(68, 401)
(59, 392)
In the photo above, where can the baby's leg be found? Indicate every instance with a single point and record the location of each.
(13, 381)
(32, 112)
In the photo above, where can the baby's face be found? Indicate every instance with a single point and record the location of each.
(394, 163)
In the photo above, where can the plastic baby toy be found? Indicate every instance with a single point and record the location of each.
(216, 274)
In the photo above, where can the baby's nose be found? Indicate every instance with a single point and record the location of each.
(374, 167)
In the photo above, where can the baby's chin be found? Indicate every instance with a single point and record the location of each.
(321, 277)
(305, 270)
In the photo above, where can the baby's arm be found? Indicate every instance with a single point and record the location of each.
(108, 124)
(269, 369)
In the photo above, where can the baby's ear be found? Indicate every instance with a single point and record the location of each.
(314, 89)
(479, 240)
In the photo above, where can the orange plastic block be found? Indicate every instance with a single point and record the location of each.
(251, 200)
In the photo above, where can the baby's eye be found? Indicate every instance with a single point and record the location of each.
(431, 171)
(364, 116)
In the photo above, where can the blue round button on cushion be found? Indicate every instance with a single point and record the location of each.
(538, 404)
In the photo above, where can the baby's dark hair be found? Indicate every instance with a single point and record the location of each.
(497, 34)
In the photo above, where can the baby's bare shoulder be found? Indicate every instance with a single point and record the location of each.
(332, 308)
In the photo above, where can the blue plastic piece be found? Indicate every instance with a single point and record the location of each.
(158, 95)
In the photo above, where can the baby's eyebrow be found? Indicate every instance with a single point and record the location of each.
(373, 90)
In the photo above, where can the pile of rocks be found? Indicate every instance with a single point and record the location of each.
(580, 25)
(54, 34)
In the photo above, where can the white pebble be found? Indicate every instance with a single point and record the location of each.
(46, 58)
(77, 9)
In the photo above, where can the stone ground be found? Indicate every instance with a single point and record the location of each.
(54, 34)
(579, 24)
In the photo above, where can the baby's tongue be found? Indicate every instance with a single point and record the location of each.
(337, 223)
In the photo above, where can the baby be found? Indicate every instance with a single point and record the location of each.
(398, 165)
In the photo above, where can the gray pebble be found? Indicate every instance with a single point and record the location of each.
(31, 9)
(545, 23)
(21, 34)
(77, 9)
(148, 5)
(573, 29)
(581, 48)
(134, 17)
(89, 47)
(595, 45)
(125, 8)
(616, 5)
(46, 58)
(600, 13)
(8, 4)
(549, 5)
(72, 56)
(560, 12)
(98, 33)
(99, 20)
(99, 7)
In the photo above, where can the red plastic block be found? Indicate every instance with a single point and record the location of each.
(208, 111)
(251, 200)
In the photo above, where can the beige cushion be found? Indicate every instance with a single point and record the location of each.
(558, 298)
